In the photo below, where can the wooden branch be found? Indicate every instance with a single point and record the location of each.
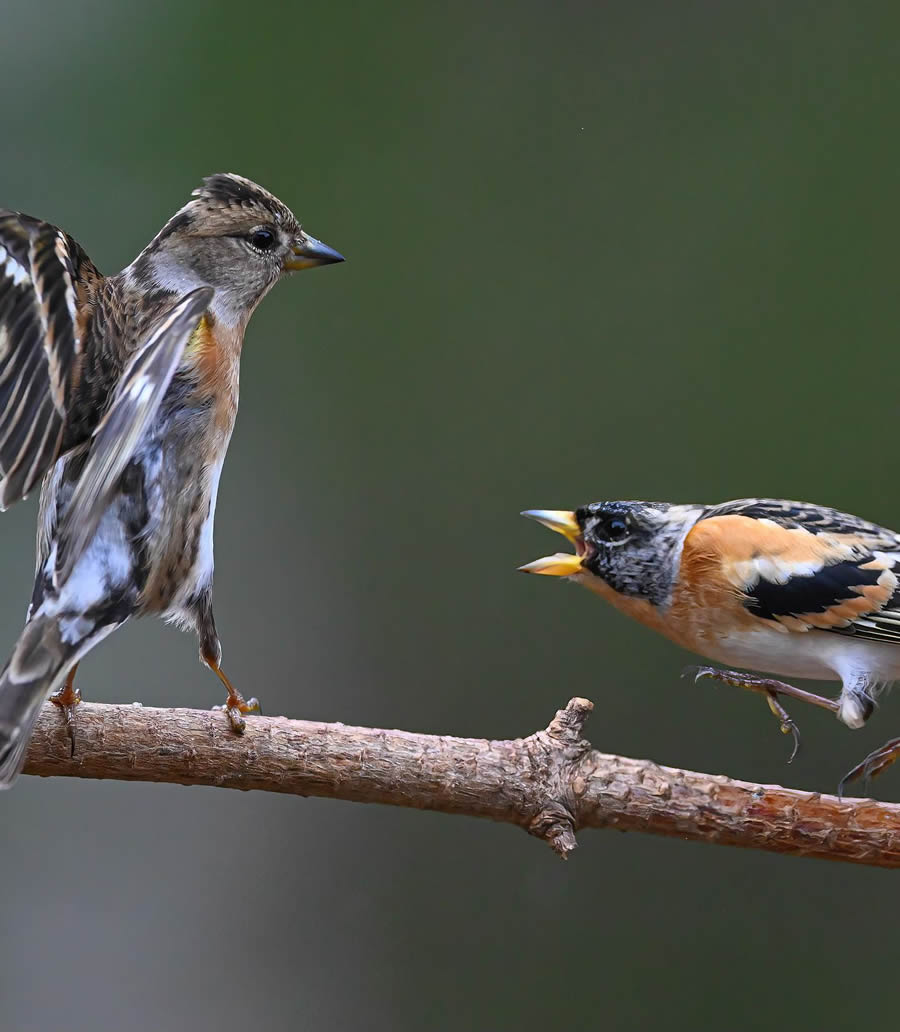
(551, 783)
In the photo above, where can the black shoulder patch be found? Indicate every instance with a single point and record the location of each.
(810, 594)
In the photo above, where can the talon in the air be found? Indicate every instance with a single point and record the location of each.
(698, 672)
(786, 722)
(875, 763)
(788, 727)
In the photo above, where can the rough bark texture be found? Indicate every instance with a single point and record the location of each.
(551, 783)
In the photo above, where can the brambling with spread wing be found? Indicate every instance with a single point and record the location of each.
(790, 588)
(121, 393)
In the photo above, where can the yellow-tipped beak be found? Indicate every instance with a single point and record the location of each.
(560, 520)
(561, 564)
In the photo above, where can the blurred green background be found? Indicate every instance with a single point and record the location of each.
(595, 251)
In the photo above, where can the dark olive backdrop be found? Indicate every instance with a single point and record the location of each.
(595, 250)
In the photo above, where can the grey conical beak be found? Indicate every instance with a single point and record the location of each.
(307, 252)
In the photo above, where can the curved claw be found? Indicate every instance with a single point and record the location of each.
(859, 771)
(786, 723)
(698, 672)
(874, 764)
(790, 728)
(766, 685)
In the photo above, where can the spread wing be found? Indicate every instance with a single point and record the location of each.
(800, 567)
(134, 405)
(45, 279)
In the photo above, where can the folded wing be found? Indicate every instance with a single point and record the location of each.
(804, 570)
(133, 407)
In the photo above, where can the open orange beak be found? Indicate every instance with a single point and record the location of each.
(560, 564)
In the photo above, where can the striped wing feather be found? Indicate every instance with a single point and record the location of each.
(43, 274)
(883, 625)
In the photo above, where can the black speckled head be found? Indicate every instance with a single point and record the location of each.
(634, 547)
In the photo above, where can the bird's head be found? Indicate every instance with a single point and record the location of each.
(630, 547)
(235, 237)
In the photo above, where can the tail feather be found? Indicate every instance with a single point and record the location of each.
(38, 665)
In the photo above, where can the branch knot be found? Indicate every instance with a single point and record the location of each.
(557, 753)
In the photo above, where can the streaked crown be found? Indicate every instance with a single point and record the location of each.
(226, 200)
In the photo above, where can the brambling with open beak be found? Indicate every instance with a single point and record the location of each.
(789, 588)
(121, 393)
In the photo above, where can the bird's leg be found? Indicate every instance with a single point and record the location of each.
(771, 689)
(873, 765)
(67, 698)
(760, 684)
(235, 704)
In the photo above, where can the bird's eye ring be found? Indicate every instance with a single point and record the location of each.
(263, 239)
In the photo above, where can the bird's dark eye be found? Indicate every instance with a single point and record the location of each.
(262, 239)
(614, 528)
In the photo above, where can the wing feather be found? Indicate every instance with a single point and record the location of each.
(42, 271)
(798, 580)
